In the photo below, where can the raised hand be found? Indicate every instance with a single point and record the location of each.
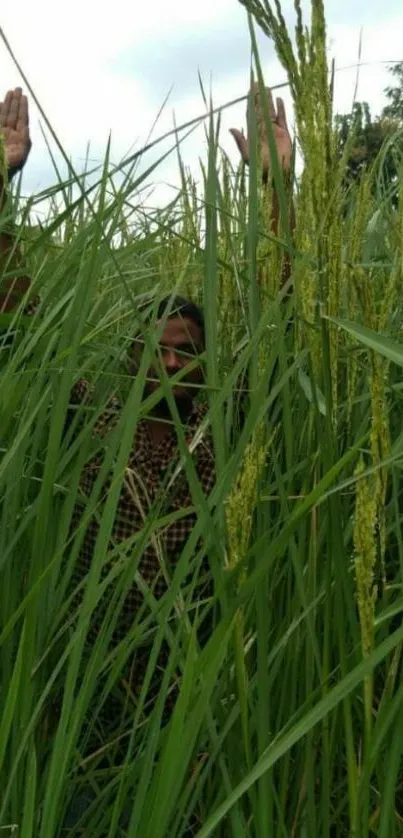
(280, 129)
(14, 127)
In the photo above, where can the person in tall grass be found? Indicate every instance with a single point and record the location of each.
(155, 452)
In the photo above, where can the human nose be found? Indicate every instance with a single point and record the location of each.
(172, 360)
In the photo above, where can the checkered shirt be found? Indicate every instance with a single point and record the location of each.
(147, 467)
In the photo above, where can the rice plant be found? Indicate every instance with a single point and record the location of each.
(278, 707)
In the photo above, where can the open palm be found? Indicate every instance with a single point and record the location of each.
(14, 127)
(281, 133)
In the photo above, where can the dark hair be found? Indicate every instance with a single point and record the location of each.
(180, 305)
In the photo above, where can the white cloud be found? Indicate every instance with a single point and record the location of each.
(380, 43)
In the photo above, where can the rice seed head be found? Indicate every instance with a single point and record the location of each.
(364, 539)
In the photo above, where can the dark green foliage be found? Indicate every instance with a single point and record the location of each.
(362, 136)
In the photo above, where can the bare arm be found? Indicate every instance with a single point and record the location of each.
(284, 150)
(14, 128)
(13, 282)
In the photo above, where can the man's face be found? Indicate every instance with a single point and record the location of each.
(180, 343)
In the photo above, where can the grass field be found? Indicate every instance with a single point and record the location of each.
(289, 720)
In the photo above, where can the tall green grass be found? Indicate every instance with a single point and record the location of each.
(288, 721)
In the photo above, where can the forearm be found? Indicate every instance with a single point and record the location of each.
(14, 284)
(275, 228)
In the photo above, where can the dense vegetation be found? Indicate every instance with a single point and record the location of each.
(289, 720)
(370, 138)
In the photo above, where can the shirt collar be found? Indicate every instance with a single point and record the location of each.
(165, 449)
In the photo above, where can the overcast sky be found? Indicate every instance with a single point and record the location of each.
(99, 68)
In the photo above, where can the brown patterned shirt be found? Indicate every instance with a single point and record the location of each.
(147, 467)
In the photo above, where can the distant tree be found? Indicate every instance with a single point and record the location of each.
(394, 95)
(367, 134)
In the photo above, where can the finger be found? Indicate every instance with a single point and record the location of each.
(14, 108)
(281, 114)
(270, 104)
(6, 107)
(23, 115)
(255, 90)
(242, 143)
